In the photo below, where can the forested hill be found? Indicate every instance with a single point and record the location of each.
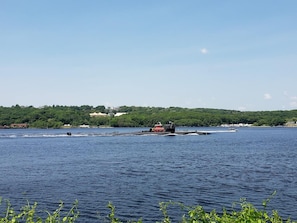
(132, 116)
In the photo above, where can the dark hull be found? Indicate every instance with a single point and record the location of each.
(174, 133)
(144, 133)
(178, 133)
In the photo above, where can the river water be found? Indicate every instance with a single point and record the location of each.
(135, 173)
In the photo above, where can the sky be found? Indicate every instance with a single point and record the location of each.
(237, 55)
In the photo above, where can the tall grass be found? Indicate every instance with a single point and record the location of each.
(28, 213)
(243, 211)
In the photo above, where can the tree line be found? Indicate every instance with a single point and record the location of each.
(57, 116)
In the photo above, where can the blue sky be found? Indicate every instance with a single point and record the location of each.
(231, 54)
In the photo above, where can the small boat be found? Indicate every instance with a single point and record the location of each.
(158, 127)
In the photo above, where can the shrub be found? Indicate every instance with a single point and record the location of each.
(193, 214)
(29, 214)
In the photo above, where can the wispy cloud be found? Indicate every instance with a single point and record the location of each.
(293, 104)
(242, 108)
(292, 99)
(204, 51)
(267, 96)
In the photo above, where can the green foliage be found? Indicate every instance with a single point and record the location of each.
(56, 116)
(241, 212)
(246, 213)
(28, 214)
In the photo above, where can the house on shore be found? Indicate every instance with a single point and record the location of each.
(98, 114)
(19, 126)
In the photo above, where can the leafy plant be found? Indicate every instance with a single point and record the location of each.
(242, 211)
(246, 213)
(28, 214)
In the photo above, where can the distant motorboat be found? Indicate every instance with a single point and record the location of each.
(158, 127)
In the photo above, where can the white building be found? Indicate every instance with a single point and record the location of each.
(119, 114)
(97, 114)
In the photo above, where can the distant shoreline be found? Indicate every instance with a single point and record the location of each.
(110, 127)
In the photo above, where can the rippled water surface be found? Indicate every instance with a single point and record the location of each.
(138, 172)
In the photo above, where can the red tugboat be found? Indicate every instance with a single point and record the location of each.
(158, 128)
(170, 127)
